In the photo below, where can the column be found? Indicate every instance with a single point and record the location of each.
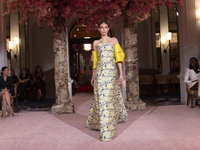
(70, 81)
(3, 51)
(14, 32)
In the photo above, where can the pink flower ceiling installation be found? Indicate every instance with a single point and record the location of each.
(89, 12)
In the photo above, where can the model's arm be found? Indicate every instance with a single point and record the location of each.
(121, 78)
(93, 71)
(119, 64)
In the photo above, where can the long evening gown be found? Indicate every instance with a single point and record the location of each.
(107, 107)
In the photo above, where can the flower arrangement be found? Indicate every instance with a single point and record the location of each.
(88, 12)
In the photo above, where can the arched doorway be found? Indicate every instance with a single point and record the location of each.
(80, 52)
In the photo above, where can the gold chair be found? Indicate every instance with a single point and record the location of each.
(174, 80)
(162, 80)
(146, 80)
(191, 96)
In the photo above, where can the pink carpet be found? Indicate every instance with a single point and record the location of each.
(156, 128)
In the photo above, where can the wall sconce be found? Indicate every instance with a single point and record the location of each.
(163, 40)
(198, 13)
(11, 45)
(16, 41)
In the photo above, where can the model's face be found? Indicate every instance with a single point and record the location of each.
(38, 69)
(5, 72)
(103, 29)
(193, 62)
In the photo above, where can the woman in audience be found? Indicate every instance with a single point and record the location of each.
(24, 78)
(39, 81)
(15, 79)
(192, 74)
(6, 90)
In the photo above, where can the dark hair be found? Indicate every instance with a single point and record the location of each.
(3, 68)
(22, 70)
(37, 72)
(196, 66)
(103, 22)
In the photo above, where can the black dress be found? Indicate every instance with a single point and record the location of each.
(15, 79)
(40, 84)
(23, 87)
(9, 84)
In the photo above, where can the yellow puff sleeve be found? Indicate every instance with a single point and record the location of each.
(119, 54)
(94, 59)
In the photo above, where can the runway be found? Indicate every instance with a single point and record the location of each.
(172, 127)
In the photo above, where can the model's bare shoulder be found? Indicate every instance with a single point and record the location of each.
(114, 40)
(95, 44)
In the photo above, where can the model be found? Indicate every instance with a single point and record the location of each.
(107, 107)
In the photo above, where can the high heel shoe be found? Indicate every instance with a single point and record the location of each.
(11, 114)
(3, 117)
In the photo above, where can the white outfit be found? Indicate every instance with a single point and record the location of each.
(191, 75)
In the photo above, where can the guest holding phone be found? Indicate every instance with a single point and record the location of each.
(39, 81)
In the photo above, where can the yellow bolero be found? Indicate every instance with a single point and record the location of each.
(119, 54)
(94, 59)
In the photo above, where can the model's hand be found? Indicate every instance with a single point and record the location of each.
(121, 79)
(92, 81)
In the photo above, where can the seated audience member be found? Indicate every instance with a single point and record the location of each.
(6, 90)
(39, 81)
(192, 74)
(24, 79)
(15, 79)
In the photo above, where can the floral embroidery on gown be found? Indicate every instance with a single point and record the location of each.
(107, 107)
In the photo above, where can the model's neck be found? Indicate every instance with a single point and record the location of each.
(103, 38)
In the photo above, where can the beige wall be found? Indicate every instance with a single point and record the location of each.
(144, 44)
(41, 46)
(14, 32)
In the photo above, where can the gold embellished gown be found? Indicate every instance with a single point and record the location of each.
(107, 107)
